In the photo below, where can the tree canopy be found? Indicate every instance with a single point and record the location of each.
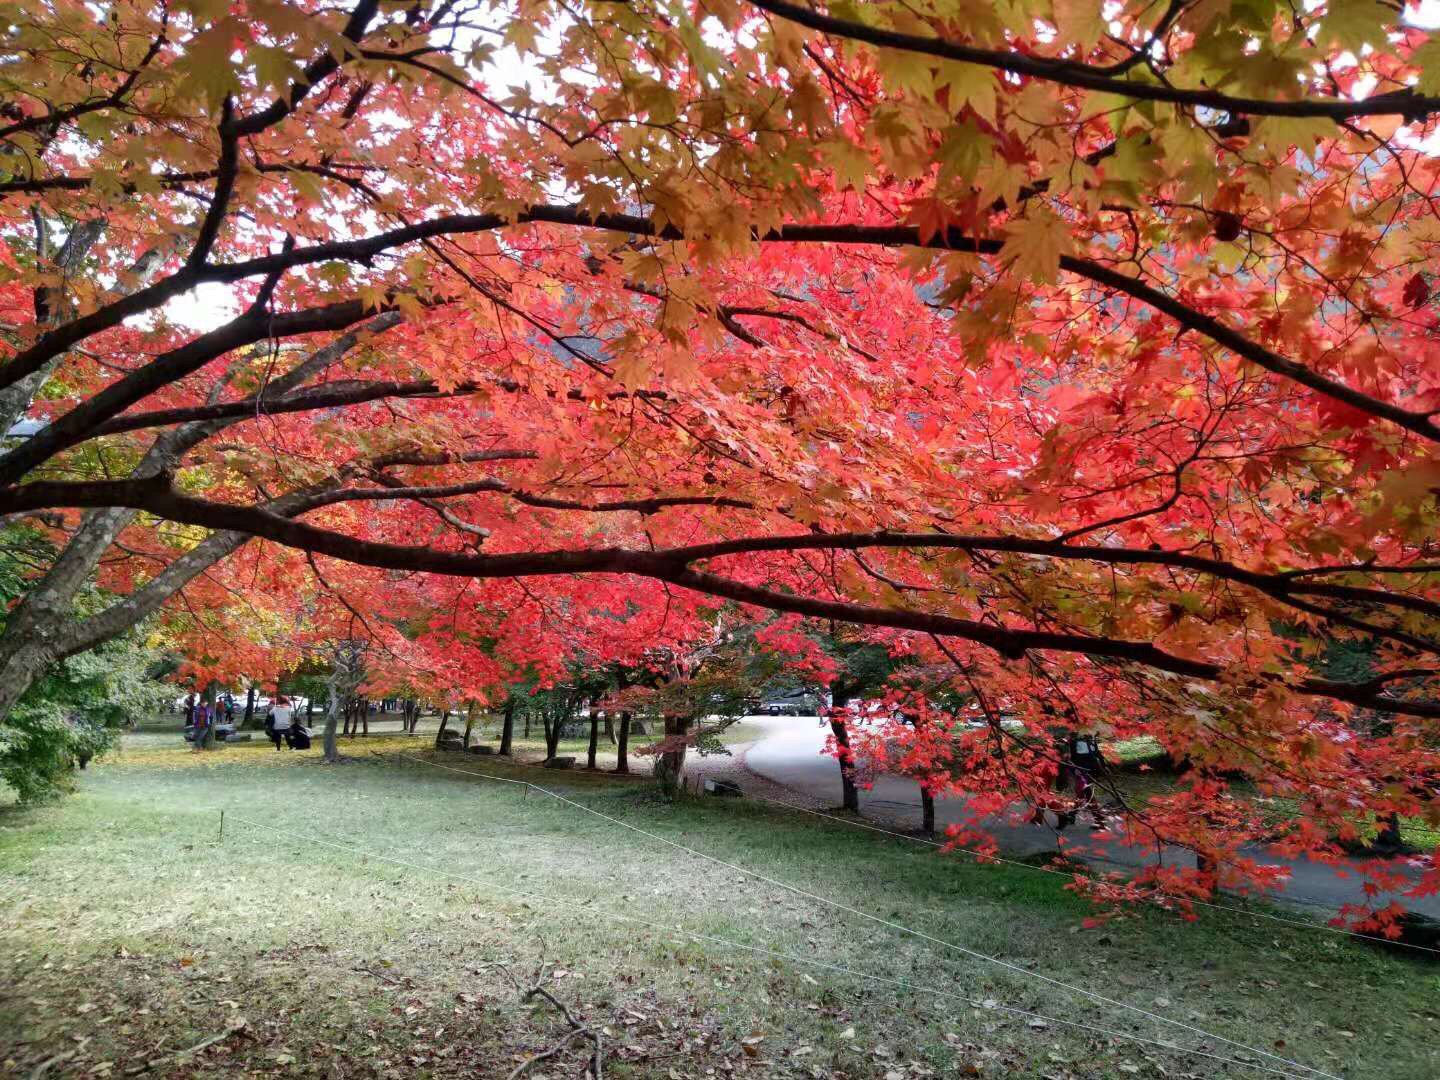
(1087, 349)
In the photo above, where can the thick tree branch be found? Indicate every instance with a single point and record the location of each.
(315, 72)
(225, 173)
(1278, 585)
(329, 396)
(156, 496)
(843, 233)
(255, 325)
(1083, 76)
(364, 249)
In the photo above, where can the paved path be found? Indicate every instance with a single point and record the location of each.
(790, 753)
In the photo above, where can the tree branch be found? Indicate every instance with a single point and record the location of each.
(76, 425)
(156, 496)
(1083, 76)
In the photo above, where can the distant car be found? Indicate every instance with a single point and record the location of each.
(783, 708)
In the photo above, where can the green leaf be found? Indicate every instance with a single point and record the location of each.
(1353, 24)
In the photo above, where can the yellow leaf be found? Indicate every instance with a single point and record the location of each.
(1278, 134)
(970, 84)
(906, 73)
(1034, 244)
(209, 73)
(1427, 59)
(1353, 24)
(850, 162)
(1080, 22)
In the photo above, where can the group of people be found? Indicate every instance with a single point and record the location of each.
(280, 723)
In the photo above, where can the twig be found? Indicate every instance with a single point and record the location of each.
(236, 1027)
(379, 975)
(579, 1030)
(44, 1066)
(566, 1041)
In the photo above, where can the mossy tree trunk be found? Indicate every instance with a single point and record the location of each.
(670, 768)
(622, 746)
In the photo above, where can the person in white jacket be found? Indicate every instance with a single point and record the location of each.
(277, 724)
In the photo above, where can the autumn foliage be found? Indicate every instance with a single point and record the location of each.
(1087, 359)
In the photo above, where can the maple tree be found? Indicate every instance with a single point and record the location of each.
(1094, 343)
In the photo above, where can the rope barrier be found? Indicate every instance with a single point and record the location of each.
(985, 857)
(903, 984)
(920, 934)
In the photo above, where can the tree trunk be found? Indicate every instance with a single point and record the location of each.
(610, 725)
(622, 750)
(507, 733)
(1389, 838)
(332, 722)
(553, 728)
(440, 731)
(670, 769)
(527, 723)
(249, 709)
(839, 698)
(1205, 869)
(594, 738)
(470, 721)
(927, 796)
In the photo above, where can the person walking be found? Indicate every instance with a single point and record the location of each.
(277, 725)
(202, 723)
(1084, 763)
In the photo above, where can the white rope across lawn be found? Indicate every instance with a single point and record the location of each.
(591, 911)
(922, 935)
(983, 856)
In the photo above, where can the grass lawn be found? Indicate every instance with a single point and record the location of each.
(134, 933)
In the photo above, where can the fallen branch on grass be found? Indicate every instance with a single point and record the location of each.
(578, 1030)
(236, 1025)
(379, 975)
(566, 1041)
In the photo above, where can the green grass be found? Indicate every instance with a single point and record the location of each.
(133, 930)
